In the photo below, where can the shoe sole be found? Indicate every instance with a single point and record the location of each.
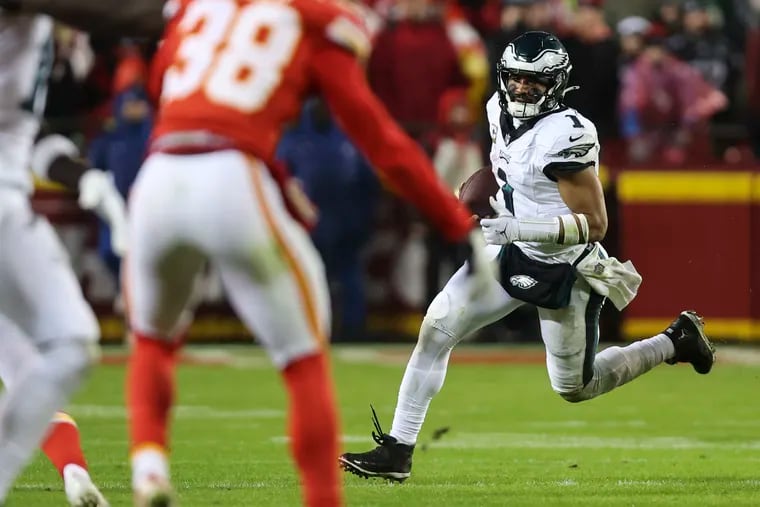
(698, 323)
(90, 499)
(352, 468)
(161, 500)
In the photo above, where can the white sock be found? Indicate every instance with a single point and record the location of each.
(149, 462)
(422, 380)
(615, 366)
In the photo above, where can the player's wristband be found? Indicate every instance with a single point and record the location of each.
(571, 229)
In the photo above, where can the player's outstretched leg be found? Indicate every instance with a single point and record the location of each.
(42, 387)
(684, 341)
(150, 395)
(63, 448)
(62, 443)
(423, 379)
(313, 429)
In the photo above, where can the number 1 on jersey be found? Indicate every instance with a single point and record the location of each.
(235, 55)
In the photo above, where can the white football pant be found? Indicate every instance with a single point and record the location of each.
(224, 208)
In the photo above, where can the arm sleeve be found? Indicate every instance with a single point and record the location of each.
(397, 158)
(105, 17)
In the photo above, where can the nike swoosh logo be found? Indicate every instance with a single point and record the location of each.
(572, 140)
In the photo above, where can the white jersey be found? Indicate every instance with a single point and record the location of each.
(26, 56)
(525, 158)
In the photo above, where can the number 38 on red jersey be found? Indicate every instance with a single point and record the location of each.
(241, 68)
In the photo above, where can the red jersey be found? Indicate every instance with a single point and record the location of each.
(240, 71)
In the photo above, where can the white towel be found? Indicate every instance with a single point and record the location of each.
(619, 281)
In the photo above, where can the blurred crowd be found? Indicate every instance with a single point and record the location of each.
(668, 83)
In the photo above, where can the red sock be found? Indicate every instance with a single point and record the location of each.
(150, 391)
(313, 429)
(62, 445)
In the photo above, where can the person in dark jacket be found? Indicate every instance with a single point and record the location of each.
(344, 189)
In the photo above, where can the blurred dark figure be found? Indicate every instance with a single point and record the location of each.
(632, 32)
(456, 156)
(120, 148)
(483, 15)
(666, 20)
(595, 53)
(517, 16)
(413, 63)
(702, 45)
(665, 107)
(342, 185)
(752, 74)
(67, 96)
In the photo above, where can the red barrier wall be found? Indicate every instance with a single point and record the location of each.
(692, 236)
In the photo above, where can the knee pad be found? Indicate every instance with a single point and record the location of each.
(434, 337)
(446, 318)
(573, 396)
(570, 389)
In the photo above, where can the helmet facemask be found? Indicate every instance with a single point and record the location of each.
(528, 103)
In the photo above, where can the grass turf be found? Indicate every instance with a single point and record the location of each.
(670, 438)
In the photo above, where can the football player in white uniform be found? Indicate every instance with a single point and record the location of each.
(48, 333)
(549, 215)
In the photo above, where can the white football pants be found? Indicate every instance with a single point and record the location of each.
(225, 208)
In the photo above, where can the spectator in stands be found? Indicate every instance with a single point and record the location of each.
(483, 15)
(632, 32)
(665, 105)
(667, 18)
(595, 53)
(413, 63)
(752, 74)
(120, 148)
(66, 96)
(456, 156)
(341, 184)
(517, 16)
(702, 45)
(473, 57)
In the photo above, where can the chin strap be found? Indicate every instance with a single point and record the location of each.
(569, 89)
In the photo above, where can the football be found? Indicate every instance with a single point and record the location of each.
(477, 189)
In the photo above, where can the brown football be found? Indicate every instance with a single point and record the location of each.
(477, 189)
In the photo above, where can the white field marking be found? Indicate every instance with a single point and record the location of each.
(180, 411)
(743, 355)
(637, 483)
(584, 424)
(227, 485)
(357, 354)
(553, 441)
(567, 482)
(349, 439)
(247, 360)
(399, 354)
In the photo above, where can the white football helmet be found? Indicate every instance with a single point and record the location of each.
(541, 56)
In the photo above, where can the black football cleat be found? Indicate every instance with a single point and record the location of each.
(389, 460)
(691, 343)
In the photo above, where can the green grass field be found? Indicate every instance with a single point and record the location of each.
(670, 438)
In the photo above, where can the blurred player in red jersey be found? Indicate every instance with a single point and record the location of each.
(229, 75)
